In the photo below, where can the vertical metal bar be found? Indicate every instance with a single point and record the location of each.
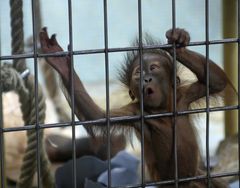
(2, 156)
(140, 43)
(2, 178)
(105, 10)
(229, 11)
(72, 94)
(207, 88)
(38, 20)
(238, 35)
(36, 92)
(175, 96)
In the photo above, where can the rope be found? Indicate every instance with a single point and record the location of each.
(17, 34)
(12, 81)
(27, 170)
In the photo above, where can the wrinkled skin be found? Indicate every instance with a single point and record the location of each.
(157, 98)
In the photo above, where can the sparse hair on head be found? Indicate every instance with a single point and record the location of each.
(126, 69)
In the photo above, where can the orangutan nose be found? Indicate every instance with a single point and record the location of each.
(147, 79)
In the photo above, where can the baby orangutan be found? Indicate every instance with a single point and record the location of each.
(157, 98)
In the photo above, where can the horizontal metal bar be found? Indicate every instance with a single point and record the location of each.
(111, 50)
(182, 180)
(22, 128)
(121, 119)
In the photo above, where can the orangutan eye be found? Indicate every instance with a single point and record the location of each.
(154, 67)
(137, 71)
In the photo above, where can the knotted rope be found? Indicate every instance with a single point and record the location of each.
(11, 80)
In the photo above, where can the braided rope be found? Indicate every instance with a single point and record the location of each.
(17, 33)
(47, 178)
(12, 81)
(28, 168)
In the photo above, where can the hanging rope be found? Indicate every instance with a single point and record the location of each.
(29, 160)
(11, 80)
(17, 34)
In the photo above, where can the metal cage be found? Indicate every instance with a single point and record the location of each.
(110, 120)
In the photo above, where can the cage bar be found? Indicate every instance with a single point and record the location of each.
(140, 50)
(207, 90)
(105, 11)
(36, 92)
(175, 96)
(238, 85)
(70, 53)
(2, 155)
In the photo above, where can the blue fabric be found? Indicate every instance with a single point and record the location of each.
(125, 159)
(92, 172)
(91, 184)
(86, 167)
(124, 172)
(234, 184)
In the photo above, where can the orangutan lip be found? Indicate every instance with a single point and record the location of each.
(149, 91)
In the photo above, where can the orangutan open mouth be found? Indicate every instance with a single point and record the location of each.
(149, 91)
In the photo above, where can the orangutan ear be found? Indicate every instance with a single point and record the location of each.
(131, 95)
